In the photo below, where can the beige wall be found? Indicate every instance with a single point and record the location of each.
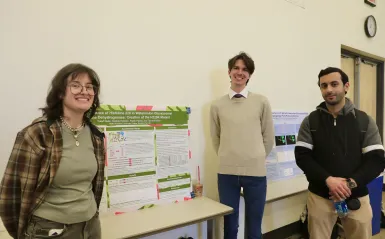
(175, 52)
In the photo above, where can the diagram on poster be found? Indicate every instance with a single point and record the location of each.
(147, 155)
(280, 163)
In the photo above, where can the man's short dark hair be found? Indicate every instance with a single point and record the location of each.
(329, 70)
(247, 60)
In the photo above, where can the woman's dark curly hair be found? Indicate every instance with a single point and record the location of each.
(54, 102)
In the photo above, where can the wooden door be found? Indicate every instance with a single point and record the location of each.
(368, 88)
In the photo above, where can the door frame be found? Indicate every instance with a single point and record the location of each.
(379, 82)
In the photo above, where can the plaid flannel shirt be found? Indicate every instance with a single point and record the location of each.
(32, 165)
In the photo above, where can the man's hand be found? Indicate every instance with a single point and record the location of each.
(338, 187)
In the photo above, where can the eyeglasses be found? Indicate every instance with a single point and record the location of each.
(77, 88)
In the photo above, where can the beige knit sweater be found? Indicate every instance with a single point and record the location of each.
(242, 134)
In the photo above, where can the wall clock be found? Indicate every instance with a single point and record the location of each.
(370, 26)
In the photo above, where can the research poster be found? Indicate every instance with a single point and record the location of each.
(280, 163)
(148, 154)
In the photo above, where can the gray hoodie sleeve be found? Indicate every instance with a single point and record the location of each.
(373, 156)
(303, 154)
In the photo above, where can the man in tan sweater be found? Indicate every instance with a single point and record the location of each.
(242, 134)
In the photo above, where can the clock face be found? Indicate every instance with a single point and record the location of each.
(371, 26)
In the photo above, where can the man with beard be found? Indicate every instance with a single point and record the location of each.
(340, 151)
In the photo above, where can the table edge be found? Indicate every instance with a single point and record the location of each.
(175, 226)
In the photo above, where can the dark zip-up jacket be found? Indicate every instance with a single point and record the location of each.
(334, 149)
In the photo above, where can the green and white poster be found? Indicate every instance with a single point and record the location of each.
(147, 155)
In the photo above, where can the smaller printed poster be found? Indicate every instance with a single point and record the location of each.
(280, 163)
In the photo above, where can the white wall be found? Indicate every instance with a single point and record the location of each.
(175, 52)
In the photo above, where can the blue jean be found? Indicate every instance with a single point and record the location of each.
(254, 191)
